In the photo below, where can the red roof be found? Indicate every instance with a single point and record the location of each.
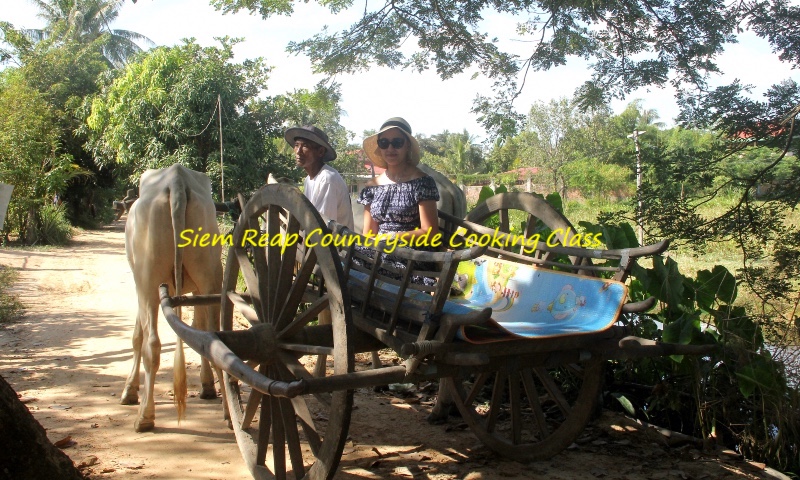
(523, 172)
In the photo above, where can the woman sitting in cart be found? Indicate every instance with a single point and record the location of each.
(401, 202)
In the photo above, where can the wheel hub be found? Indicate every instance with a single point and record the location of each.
(265, 342)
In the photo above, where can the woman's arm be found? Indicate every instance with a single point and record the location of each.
(428, 219)
(370, 225)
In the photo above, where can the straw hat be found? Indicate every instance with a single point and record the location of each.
(371, 142)
(309, 132)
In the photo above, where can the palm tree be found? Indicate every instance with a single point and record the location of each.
(463, 152)
(86, 22)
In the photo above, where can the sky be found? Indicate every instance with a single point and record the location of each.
(429, 104)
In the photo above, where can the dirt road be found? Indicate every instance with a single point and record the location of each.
(69, 356)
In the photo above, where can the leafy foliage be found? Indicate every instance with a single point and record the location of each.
(30, 156)
(630, 44)
(164, 110)
(319, 107)
(64, 72)
(455, 154)
(739, 392)
(548, 141)
(10, 306)
(54, 227)
(87, 22)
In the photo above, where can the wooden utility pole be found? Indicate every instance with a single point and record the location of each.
(640, 212)
(221, 164)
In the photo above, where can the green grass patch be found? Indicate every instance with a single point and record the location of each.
(10, 307)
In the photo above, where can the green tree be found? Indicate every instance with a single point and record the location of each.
(88, 22)
(550, 143)
(319, 107)
(630, 44)
(452, 153)
(31, 158)
(65, 73)
(164, 110)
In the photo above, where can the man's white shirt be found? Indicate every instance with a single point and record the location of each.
(328, 192)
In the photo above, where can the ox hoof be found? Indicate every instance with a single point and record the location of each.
(208, 394)
(129, 399)
(144, 426)
(438, 415)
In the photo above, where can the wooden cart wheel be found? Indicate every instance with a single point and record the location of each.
(527, 413)
(299, 437)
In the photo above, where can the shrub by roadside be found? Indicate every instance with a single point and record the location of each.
(10, 306)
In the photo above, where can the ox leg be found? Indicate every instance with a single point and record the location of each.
(376, 360)
(151, 358)
(130, 394)
(203, 321)
(324, 318)
(444, 400)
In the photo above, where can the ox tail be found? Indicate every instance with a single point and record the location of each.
(178, 203)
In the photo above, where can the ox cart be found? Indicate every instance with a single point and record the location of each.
(288, 379)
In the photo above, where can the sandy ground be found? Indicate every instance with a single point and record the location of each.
(69, 356)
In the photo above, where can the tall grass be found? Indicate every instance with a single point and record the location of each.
(10, 307)
(54, 226)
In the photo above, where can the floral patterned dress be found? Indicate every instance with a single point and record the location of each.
(395, 207)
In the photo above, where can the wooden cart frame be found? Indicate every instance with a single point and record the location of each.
(311, 305)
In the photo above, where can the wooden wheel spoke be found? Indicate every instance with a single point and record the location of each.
(260, 262)
(503, 214)
(314, 440)
(530, 225)
(285, 269)
(248, 312)
(575, 369)
(300, 407)
(294, 367)
(515, 398)
(295, 294)
(536, 406)
(278, 440)
(496, 405)
(476, 388)
(265, 425)
(305, 318)
(530, 229)
(250, 280)
(553, 389)
(292, 436)
(272, 254)
(304, 414)
(250, 409)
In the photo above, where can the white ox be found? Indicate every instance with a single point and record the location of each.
(451, 198)
(170, 200)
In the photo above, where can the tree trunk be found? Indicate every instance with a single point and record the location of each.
(25, 451)
(30, 232)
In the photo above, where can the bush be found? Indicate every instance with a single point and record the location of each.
(599, 179)
(10, 307)
(54, 227)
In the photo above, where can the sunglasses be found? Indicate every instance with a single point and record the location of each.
(397, 143)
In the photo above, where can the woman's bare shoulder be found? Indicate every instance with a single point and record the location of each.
(372, 182)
